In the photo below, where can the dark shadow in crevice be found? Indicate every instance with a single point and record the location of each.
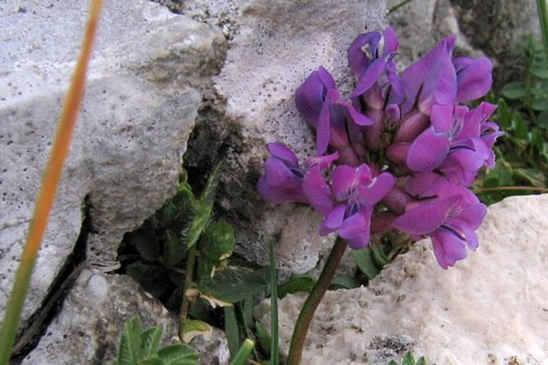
(38, 323)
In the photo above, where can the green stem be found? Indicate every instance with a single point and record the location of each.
(274, 346)
(312, 302)
(506, 188)
(542, 10)
(185, 304)
(244, 352)
(399, 5)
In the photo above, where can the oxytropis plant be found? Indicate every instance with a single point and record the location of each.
(398, 156)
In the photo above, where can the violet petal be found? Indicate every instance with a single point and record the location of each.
(356, 228)
(377, 190)
(448, 248)
(426, 217)
(280, 151)
(317, 192)
(427, 151)
(473, 77)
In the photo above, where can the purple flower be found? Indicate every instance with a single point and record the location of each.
(450, 219)
(431, 80)
(321, 105)
(458, 142)
(347, 203)
(283, 177)
(411, 124)
(377, 78)
(473, 77)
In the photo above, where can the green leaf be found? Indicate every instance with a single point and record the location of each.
(421, 361)
(168, 213)
(178, 354)
(514, 90)
(174, 249)
(233, 284)
(540, 104)
(519, 126)
(540, 70)
(366, 263)
(185, 197)
(194, 327)
(408, 359)
(247, 310)
(392, 362)
(200, 220)
(263, 336)
(298, 283)
(378, 254)
(150, 340)
(231, 330)
(344, 282)
(217, 242)
(130, 343)
(208, 194)
(243, 353)
(536, 139)
(205, 270)
(542, 119)
(533, 176)
(152, 361)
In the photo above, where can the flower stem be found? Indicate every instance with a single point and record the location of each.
(509, 188)
(312, 302)
(185, 304)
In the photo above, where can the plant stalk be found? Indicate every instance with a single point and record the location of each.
(185, 304)
(50, 182)
(510, 188)
(274, 346)
(312, 302)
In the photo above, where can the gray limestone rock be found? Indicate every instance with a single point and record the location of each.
(213, 350)
(88, 329)
(145, 85)
(488, 309)
(493, 28)
(499, 28)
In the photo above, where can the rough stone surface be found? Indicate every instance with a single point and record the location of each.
(489, 309)
(499, 29)
(87, 331)
(213, 350)
(494, 28)
(420, 25)
(144, 88)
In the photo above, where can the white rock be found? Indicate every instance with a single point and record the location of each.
(144, 87)
(488, 309)
(88, 329)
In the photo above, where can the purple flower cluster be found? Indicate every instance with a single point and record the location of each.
(400, 154)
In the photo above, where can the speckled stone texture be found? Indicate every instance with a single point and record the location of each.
(495, 28)
(101, 303)
(144, 88)
(488, 309)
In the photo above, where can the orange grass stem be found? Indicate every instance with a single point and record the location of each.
(50, 182)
